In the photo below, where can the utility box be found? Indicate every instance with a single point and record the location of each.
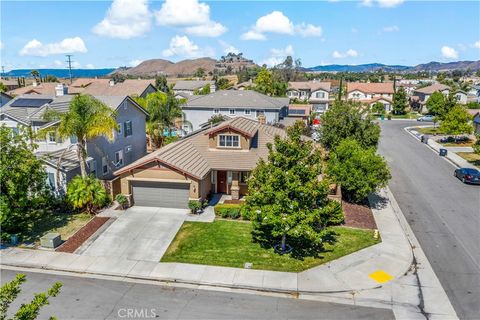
(425, 138)
(51, 240)
(443, 152)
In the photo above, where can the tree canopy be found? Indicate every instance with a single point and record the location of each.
(346, 119)
(457, 121)
(400, 101)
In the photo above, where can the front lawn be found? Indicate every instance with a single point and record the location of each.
(429, 130)
(229, 244)
(471, 157)
(64, 224)
(410, 115)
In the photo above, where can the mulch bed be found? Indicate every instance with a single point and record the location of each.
(234, 202)
(358, 215)
(75, 241)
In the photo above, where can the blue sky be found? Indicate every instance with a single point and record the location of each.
(37, 34)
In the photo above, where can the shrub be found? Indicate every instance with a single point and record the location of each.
(333, 210)
(194, 206)
(389, 116)
(87, 193)
(122, 200)
(231, 211)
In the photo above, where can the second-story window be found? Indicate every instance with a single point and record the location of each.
(127, 128)
(247, 112)
(228, 141)
(320, 94)
(231, 112)
(216, 111)
(104, 165)
(119, 158)
(51, 137)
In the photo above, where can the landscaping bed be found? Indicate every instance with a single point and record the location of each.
(471, 157)
(229, 244)
(75, 241)
(358, 215)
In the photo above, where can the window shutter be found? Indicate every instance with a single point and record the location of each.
(125, 129)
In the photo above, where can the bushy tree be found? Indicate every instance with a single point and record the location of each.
(27, 311)
(400, 101)
(200, 73)
(345, 119)
(286, 199)
(161, 83)
(223, 84)
(23, 181)
(378, 108)
(457, 121)
(476, 146)
(86, 193)
(358, 170)
(216, 118)
(3, 88)
(435, 103)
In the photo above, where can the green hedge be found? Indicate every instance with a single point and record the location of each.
(231, 211)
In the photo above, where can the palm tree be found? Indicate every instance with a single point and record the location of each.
(87, 118)
(35, 74)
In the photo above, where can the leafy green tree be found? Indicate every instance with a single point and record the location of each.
(27, 311)
(476, 146)
(3, 88)
(264, 82)
(200, 73)
(87, 118)
(223, 84)
(457, 121)
(50, 78)
(23, 181)
(118, 77)
(359, 171)
(86, 192)
(345, 119)
(35, 74)
(400, 101)
(216, 118)
(435, 103)
(286, 198)
(161, 83)
(378, 108)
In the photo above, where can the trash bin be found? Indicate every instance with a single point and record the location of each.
(13, 239)
(443, 152)
(382, 117)
(425, 138)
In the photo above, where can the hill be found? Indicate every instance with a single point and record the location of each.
(438, 66)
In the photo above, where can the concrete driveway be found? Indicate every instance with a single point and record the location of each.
(141, 233)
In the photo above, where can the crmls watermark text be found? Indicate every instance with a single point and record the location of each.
(136, 313)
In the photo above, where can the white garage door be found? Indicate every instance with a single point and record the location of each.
(160, 194)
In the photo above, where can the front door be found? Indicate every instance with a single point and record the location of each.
(221, 181)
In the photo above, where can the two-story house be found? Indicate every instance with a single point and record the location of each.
(424, 93)
(60, 157)
(198, 110)
(108, 87)
(189, 87)
(213, 160)
(371, 93)
(315, 92)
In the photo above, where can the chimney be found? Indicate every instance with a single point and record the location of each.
(61, 90)
(34, 83)
(111, 83)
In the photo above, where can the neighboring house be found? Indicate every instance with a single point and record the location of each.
(474, 93)
(60, 157)
(476, 123)
(424, 93)
(366, 92)
(297, 112)
(43, 88)
(10, 83)
(4, 98)
(387, 103)
(461, 97)
(232, 103)
(190, 86)
(212, 160)
(315, 92)
(244, 85)
(108, 87)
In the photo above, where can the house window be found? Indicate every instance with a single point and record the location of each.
(231, 112)
(459, 97)
(119, 158)
(51, 180)
(320, 95)
(104, 165)
(120, 129)
(244, 176)
(216, 111)
(128, 149)
(229, 177)
(127, 128)
(125, 104)
(51, 137)
(228, 141)
(92, 167)
(248, 112)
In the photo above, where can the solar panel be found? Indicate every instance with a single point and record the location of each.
(30, 103)
(296, 111)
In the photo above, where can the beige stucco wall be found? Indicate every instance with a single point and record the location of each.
(244, 141)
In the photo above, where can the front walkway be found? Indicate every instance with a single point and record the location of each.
(139, 234)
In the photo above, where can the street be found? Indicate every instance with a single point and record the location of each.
(443, 213)
(86, 298)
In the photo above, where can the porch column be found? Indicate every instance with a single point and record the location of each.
(235, 188)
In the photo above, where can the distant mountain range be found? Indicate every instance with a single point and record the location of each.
(431, 66)
(61, 73)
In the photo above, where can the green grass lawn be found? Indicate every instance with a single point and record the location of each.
(229, 243)
(471, 157)
(429, 130)
(405, 116)
(64, 224)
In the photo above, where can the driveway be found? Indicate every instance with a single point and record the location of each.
(141, 233)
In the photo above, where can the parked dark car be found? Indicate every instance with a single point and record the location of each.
(468, 175)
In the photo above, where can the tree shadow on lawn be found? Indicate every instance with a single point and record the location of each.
(42, 223)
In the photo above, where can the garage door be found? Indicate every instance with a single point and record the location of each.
(160, 194)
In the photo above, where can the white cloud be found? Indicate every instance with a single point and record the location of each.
(277, 22)
(192, 15)
(125, 19)
(391, 29)
(349, 53)
(58, 63)
(382, 3)
(477, 44)
(182, 46)
(89, 66)
(449, 53)
(135, 62)
(68, 45)
(277, 56)
(227, 48)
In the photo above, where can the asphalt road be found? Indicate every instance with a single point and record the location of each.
(443, 213)
(85, 298)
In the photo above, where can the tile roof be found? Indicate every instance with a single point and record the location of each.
(46, 88)
(309, 85)
(433, 88)
(191, 84)
(371, 87)
(237, 99)
(103, 87)
(193, 156)
(292, 109)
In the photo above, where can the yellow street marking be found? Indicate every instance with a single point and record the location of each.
(380, 276)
